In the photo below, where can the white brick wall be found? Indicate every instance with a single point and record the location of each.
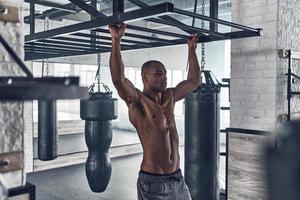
(12, 113)
(288, 38)
(280, 21)
(253, 68)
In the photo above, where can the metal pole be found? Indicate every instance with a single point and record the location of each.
(195, 11)
(289, 85)
(32, 22)
(213, 13)
(118, 7)
(15, 57)
(32, 18)
(93, 39)
(226, 165)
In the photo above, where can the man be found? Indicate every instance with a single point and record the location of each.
(151, 112)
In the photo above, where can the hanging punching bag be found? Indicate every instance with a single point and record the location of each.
(98, 111)
(202, 140)
(47, 132)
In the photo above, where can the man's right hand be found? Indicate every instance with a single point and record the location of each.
(117, 30)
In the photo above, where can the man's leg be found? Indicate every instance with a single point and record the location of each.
(141, 190)
(182, 191)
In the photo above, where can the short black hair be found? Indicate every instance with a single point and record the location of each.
(147, 64)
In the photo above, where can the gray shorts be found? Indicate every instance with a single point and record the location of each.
(162, 186)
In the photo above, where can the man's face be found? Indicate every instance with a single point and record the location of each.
(156, 77)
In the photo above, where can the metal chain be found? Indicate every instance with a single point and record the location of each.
(98, 75)
(203, 44)
(45, 62)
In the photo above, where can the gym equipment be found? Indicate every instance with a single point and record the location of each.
(283, 163)
(47, 132)
(202, 140)
(292, 56)
(158, 14)
(98, 111)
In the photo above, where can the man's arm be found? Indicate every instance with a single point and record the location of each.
(194, 73)
(124, 87)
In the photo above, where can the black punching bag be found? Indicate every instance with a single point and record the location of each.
(283, 163)
(202, 140)
(98, 111)
(47, 132)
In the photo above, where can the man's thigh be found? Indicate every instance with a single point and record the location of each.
(182, 191)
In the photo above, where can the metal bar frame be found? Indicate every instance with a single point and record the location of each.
(15, 57)
(128, 16)
(57, 47)
(291, 55)
(51, 4)
(138, 36)
(213, 14)
(164, 17)
(145, 12)
(118, 7)
(69, 44)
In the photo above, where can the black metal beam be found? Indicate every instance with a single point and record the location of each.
(62, 47)
(165, 33)
(54, 50)
(124, 46)
(131, 15)
(165, 17)
(248, 131)
(72, 80)
(93, 5)
(69, 44)
(229, 36)
(138, 36)
(202, 39)
(135, 42)
(41, 56)
(95, 13)
(118, 7)
(196, 30)
(52, 5)
(213, 14)
(72, 39)
(53, 13)
(13, 54)
(218, 21)
(195, 11)
(90, 9)
(32, 18)
(289, 84)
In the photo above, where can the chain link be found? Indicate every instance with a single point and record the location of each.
(98, 75)
(45, 62)
(203, 44)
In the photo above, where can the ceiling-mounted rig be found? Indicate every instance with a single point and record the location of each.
(79, 38)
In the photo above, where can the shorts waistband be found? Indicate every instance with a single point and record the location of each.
(160, 175)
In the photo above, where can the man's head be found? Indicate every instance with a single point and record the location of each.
(154, 76)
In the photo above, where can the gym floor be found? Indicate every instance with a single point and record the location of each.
(69, 183)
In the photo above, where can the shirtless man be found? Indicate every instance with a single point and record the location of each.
(151, 112)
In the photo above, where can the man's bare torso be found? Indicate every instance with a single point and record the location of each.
(155, 124)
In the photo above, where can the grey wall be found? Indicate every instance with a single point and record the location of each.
(287, 38)
(13, 114)
(258, 86)
(254, 66)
